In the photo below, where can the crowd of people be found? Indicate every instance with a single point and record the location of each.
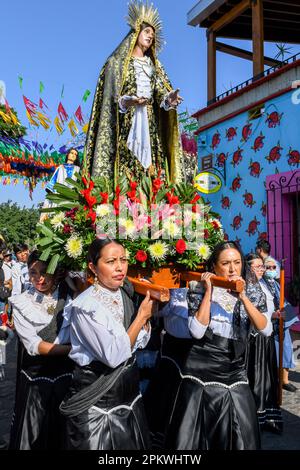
(215, 383)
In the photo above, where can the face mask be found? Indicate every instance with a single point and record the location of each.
(271, 274)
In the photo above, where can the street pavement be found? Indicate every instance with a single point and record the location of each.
(289, 440)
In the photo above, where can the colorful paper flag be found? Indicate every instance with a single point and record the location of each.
(20, 81)
(73, 128)
(42, 87)
(79, 117)
(42, 104)
(29, 105)
(58, 126)
(62, 113)
(86, 95)
(44, 120)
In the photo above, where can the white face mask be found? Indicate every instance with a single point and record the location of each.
(271, 274)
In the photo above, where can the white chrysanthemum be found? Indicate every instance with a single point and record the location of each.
(158, 251)
(57, 220)
(203, 251)
(102, 210)
(128, 226)
(171, 229)
(74, 247)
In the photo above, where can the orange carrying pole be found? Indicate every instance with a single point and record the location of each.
(217, 281)
(157, 292)
(281, 307)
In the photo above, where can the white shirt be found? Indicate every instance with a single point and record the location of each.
(178, 323)
(20, 278)
(7, 267)
(96, 328)
(31, 315)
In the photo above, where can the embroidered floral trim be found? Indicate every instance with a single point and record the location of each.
(111, 300)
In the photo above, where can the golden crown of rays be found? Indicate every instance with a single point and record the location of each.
(139, 12)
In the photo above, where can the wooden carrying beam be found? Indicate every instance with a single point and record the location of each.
(157, 292)
(235, 286)
(231, 15)
(243, 54)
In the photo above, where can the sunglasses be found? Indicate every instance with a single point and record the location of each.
(271, 267)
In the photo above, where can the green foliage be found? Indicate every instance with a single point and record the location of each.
(17, 224)
(8, 129)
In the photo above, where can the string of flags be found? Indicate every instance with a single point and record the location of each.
(39, 114)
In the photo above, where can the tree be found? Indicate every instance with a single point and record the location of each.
(9, 129)
(18, 225)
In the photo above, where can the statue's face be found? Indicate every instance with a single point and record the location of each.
(146, 38)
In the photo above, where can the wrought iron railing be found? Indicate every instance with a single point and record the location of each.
(242, 85)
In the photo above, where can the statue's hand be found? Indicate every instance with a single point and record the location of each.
(174, 99)
(135, 101)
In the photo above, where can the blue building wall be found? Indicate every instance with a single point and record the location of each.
(251, 150)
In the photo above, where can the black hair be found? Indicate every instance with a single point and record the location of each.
(264, 245)
(96, 247)
(213, 259)
(20, 247)
(251, 257)
(77, 161)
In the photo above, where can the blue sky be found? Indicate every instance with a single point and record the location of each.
(66, 43)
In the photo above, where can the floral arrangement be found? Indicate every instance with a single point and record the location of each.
(156, 222)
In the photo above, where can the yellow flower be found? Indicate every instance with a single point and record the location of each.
(102, 210)
(74, 247)
(203, 251)
(171, 229)
(128, 225)
(57, 220)
(158, 251)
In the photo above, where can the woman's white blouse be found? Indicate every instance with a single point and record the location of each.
(33, 311)
(97, 331)
(178, 323)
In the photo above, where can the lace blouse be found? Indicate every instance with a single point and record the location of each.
(97, 330)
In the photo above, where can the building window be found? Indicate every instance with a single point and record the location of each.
(206, 162)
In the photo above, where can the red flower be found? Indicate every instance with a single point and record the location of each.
(141, 256)
(104, 198)
(91, 215)
(171, 198)
(84, 180)
(180, 246)
(71, 213)
(196, 198)
(67, 228)
(206, 234)
(133, 185)
(215, 225)
(91, 200)
(156, 185)
(116, 204)
(132, 196)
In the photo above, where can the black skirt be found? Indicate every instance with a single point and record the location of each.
(263, 380)
(117, 421)
(210, 405)
(42, 383)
